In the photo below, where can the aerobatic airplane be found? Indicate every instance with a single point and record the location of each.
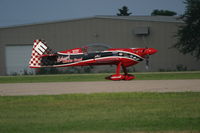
(96, 54)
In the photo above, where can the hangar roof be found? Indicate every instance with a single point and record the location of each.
(146, 18)
(174, 19)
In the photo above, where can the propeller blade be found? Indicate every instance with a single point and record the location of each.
(147, 62)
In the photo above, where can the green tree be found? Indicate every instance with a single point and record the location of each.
(157, 12)
(124, 11)
(189, 34)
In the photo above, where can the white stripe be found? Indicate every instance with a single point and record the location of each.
(125, 52)
(91, 60)
(69, 53)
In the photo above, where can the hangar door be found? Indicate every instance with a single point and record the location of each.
(17, 58)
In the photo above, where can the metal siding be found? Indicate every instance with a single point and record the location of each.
(2, 64)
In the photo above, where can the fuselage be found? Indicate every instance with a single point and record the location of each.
(43, 56)
(79, 57)
(95, 54)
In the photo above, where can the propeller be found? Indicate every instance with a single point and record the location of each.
(147, 62)
(148, 51)
(146, 59)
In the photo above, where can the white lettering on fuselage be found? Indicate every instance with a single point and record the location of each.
(68, 60)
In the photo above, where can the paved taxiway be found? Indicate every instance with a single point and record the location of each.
(16, 89)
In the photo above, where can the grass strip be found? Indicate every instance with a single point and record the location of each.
(101, 113)
(97, 77)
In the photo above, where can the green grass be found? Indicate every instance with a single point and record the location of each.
(102, 112)
(97, 77)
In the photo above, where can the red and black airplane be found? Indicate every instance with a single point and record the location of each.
(96, 54)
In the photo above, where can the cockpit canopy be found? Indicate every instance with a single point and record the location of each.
(96, 47)
(90, 48)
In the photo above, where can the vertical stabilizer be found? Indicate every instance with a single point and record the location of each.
(39, 48)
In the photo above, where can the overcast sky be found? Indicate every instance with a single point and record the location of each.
(17, 12)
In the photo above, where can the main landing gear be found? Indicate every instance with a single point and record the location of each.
(119, 76)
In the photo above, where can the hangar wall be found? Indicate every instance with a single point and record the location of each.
(115, 31)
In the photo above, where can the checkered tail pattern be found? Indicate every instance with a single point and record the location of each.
(39, 48)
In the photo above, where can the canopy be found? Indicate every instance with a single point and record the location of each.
(96, 47)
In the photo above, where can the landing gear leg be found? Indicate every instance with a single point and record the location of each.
(126, 75)
(116, 76)
(119, 76)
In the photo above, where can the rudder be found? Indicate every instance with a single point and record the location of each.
(39, 48)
